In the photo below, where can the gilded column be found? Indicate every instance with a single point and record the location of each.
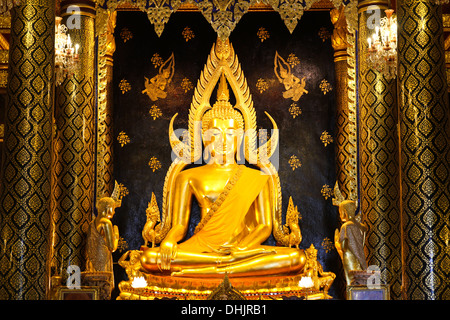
(74, 165)
(106, 22)
(424, 110)
(345, 149)
(378, 157)
(27, 155)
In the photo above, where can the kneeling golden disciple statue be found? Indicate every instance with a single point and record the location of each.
(239, 205)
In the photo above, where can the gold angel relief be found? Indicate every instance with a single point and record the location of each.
(155, 87)
(240, 207)
(295, 88)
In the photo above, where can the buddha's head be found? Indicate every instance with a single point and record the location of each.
(106, 207)
(347, 210)
(222, 127)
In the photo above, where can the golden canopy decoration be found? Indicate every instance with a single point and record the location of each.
(224, 15)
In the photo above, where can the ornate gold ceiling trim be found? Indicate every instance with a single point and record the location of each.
(223, 15)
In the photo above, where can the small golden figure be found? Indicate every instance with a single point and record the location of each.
(153, 217)
(349, 241)
(132, 266)
(295, 87)
(156, 86)
(292, 228)
(102, 235)
(313, 269)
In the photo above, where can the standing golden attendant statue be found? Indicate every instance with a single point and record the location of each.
(349, 240)
(103, 236)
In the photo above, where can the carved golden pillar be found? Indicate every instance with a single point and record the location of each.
(425, 169)
(345, 148)
(378, 158)
(5, 27)
(75, 144)
(27, 154)
(106, 22)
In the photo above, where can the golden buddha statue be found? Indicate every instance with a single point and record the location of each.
(240, 206)
(236, 212)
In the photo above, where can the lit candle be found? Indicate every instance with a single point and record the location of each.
(76, 48)
(370, 42)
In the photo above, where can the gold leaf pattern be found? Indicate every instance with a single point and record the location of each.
(324, 34)
(295, 110)
(188, 34)
(263, 34)
(327, 245)
(157, 60)
(294, 162)
(155, 112)
(326, 138)
(262, 85)
(122, 245)
(327, 191)
(126, 34)
(124, 86)
(186, 85)
(123, 191)
(325, 86)
(154, 164)
(293, 60)
(123, 138)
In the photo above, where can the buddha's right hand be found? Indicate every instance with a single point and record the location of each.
(168, 251)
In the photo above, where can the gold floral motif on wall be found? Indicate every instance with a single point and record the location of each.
(294, 87)
(122, 244)
(327, 245)
(326, 138)
(123, 138)
(324, 34)
(295, 110)
(186, 85)
(325, 86)
(294, 162)
(155, 112)
(154, 164)
(156, 60)
(188, 34)
(124, 86)
(126, 34)
(262, 85)
(327, 191)
(123, 191)
(293, 60)
(156, 86)
(263, 34)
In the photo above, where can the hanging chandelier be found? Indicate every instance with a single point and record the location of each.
(382, 46)
(66, 53)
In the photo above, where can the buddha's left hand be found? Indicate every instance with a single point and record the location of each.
(240, 252)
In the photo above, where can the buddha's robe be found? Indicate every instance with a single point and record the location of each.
(234, 218)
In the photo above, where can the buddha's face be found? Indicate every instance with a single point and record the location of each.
(343, 214)
(221, 138)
